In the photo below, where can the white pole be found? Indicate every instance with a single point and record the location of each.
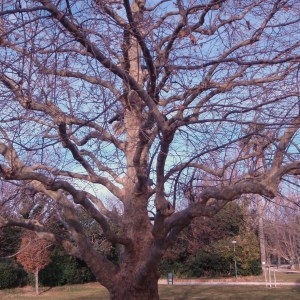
(266, 281)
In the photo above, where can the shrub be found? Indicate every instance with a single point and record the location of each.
(65, 269)
(207, 264)
(11, 274)
(253, 268)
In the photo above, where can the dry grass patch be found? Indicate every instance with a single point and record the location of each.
(87, 291)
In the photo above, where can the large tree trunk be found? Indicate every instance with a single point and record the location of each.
(129, 289)
(137, 278)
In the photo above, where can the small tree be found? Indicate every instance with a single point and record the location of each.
(34, 255)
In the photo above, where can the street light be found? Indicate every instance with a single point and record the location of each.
(235, 267)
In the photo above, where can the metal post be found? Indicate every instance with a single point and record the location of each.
(235, 265)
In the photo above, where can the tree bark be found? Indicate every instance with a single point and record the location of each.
(131, 290)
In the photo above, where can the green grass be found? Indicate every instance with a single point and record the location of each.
(287, 276)
(94, 291)
(228, 293)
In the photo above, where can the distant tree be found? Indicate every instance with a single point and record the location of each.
(205, 247)
(282, 231)
(227, 223)
(33, 255)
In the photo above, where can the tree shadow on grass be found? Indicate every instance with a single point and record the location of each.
(45, 290)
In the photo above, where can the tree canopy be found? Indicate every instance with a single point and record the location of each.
(170, 108)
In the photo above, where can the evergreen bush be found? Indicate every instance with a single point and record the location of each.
(11, 274)
(65, 269)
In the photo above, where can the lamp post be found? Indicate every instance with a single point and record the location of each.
(235, 266)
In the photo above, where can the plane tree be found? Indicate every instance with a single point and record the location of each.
(150, 104)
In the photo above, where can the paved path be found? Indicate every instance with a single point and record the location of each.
(195, 282)
(233, 282)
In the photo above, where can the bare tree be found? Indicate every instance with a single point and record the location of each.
(136, 100)
(282, 230)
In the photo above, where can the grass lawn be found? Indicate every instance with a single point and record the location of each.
(88, 291)
(228, 293)
(288, 276)
(94, 291)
